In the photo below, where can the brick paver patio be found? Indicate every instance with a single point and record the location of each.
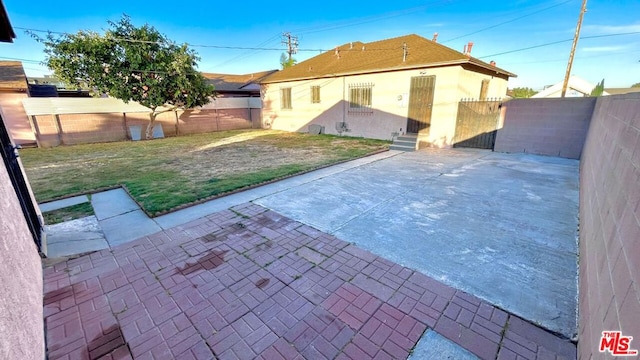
(249, 283)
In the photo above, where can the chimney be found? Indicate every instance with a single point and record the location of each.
(492, 63)
(467, 48)
(435, 37)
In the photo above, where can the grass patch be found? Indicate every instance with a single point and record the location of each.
(69, 213)
(166, 173)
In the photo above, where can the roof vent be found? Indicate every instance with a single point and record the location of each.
(435, 37)
(492, 63)
(350, 45)
(337, 52)
(363, 48)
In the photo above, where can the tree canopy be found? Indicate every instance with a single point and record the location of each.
(635, 85)
(598, 90)
(522, 92)
(286, 62)
(132, 64)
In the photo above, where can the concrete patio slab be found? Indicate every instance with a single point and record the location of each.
(111, 203)
(435, 346)
(128, 226)
(500, 226)
(249, 283)
(61, 204)
(75, 237)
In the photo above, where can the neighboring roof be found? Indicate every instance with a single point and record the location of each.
(383, 55)
(620, 91)
(6, 30)
(12, 76)
(229, 82)
(575, 83)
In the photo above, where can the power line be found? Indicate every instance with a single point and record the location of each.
(558, 42)
(508, 21)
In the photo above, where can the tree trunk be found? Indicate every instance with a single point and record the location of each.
(152, 120)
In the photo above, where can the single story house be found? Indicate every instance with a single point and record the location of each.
(576, 87)
(228, 85)
(14, 88)
(407, 84)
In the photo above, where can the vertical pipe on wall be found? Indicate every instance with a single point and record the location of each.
(124, 124)
(34, 128)
(175, 112)
(56, 122)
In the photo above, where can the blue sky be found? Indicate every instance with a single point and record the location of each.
(495, 27)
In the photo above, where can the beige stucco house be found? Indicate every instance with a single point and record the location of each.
(407, 84)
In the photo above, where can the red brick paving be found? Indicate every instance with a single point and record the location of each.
(249, 283)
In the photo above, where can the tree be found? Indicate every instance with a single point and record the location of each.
(635, 85)
(522, 92)
(131, 64)
(286, 62)
(598, 89)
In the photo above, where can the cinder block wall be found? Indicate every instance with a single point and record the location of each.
(71, 129)
(610, 225)
(554, 127)
(21, 314)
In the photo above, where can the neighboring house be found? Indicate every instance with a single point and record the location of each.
(49, 86)
(407, 84)
(228, 85)
(14, 88)
(576, 87)
(620, 91)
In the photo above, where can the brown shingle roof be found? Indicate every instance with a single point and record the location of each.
(383, 55)
(12, 75)
(231, 82)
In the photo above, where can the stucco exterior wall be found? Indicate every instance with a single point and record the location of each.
(21, 309)
(555, 127)
(15, 117)
(390, 101)
(610, 225)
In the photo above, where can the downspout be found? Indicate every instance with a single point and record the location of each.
(344, 101)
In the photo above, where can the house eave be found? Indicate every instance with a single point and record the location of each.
(397, 68)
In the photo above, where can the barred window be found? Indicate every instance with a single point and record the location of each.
(315, 94)
(360, 96)
(285, 98)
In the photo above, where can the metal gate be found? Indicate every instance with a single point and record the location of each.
(10, 158)
(477, 123)
(420, 103)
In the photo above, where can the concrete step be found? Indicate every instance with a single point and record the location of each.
(406, 142)
(402, 147)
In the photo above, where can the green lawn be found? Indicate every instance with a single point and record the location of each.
(166, 173)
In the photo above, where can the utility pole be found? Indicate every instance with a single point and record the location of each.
(573, 48)
(291, 42)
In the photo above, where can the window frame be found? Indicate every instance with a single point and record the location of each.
(361, 99)
(285, 98)
(315, 94)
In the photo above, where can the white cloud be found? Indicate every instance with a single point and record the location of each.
(596, 49)
(612, 29)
